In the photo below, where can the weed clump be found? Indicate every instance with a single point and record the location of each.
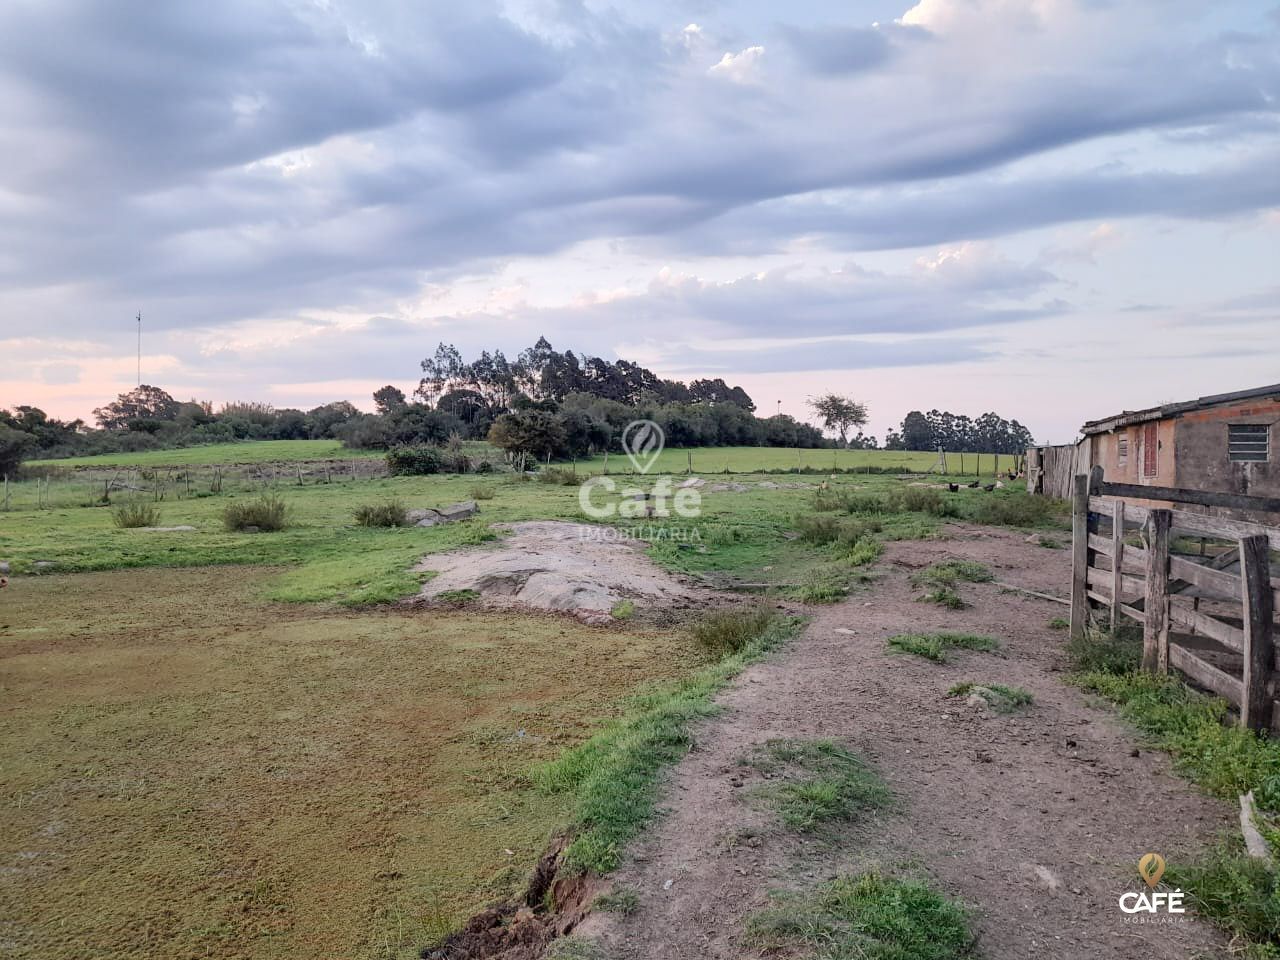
(949, 572)
(389, 513)
(997, 696)
(558, 476)
(871, 916)
(825, 782)
(267, 513)
(1107, 653)
(135, 513)
(481, 492)
(933, 646)
(725, 632)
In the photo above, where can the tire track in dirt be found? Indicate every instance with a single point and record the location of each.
(1035, 819)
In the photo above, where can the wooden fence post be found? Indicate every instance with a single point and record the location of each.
(1155, 627)
(1080, 558)
(1257, 603)
(1117, 561)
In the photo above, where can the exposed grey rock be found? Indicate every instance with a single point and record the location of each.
(184, 528)
(459, 511)
(4, 566)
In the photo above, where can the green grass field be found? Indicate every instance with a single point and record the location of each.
(714, 460)
(249, 451)
(705, 460)
(269, 731)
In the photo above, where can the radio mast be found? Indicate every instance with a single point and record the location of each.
(139, 348)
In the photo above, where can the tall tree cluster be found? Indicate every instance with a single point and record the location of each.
(956, 433)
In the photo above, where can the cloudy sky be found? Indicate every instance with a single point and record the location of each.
(1050, 208)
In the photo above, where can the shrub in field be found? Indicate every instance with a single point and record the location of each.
(455, 461)
(484, 466)
(925, 500)
(265, 513)
(136, 513)
(481, 493)
(389, 513)
(1014, 510)
(818, 528)
(558, 475)
(861, 551)
(724, 632)
(414, 461)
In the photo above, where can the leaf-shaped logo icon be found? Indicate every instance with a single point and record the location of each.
(642, 441)
(1151, 869)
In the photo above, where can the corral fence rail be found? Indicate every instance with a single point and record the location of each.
(1199, 583)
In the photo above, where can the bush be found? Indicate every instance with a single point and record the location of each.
(266, 513)
(558, 475)
(481, 493)
(1014, 510)
(136, 513)
(725, 632)
(414, 461)
(455, 461)
(926, 500)
(390, 513)
(818, 528)
(484, 466)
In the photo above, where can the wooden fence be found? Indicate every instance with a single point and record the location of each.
(1208, 613)
(1050, 470)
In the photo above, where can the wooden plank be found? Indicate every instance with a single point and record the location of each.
(1155, 628)
(1132, 612)
(1207, 675)
(1101, 544)
(1230, 637)
(1259, 653)
(1203, 498)
(1117, 562)
(1080, 557)
(1203, 524)
(1227, 585)
(1106, 579)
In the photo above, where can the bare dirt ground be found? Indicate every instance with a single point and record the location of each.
(1036, 820)
(574, 568)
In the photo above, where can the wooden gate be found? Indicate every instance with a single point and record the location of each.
(1207, 611)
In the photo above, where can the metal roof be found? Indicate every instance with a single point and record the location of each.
(1129, 417)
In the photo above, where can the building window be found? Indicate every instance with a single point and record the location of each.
(1248, 442)
(1123, 450)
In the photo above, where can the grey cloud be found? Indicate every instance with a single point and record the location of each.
(445, 137)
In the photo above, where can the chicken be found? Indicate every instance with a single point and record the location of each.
(953, 487)
(973, 485)
(988, 487)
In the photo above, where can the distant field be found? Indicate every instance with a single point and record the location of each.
(672, 460)
(777, 459)
(248, 451)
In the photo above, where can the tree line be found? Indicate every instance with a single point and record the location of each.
(545, 403)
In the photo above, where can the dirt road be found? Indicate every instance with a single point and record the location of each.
(1035, 819)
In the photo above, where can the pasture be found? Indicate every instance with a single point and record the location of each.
(234, 744)
(189, 770)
